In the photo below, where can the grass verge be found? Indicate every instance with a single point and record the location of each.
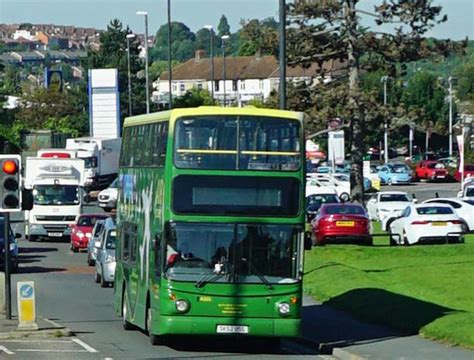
(427, 290)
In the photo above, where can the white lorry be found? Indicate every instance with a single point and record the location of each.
(101, 159)
(58, 194)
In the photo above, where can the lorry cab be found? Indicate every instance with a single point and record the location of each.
(58, 195)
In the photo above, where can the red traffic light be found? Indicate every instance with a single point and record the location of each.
(10, 167)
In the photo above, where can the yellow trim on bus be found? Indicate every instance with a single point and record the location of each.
(199, 151)
(275, 153)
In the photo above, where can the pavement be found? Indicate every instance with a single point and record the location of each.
(46, 329)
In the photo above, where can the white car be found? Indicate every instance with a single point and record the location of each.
(327, 181)
(425, 223)
(387, 205)
(464, 208)
(107, 198)
(467, 191)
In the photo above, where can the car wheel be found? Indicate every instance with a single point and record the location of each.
(103, 283)
(90, 262)
(389, 181)
(73, 248)
(344, 197)
(96, 277)
(125, 324)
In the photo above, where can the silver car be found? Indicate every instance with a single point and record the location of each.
(93, 243)
(105, 259)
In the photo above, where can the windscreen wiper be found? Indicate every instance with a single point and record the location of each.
(262, 278)
(208, 278)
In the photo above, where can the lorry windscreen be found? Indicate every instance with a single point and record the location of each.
(56, 195)
(90, 162)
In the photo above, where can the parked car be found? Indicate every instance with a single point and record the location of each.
(343, 177)
(328, 181)
(464, 208)
(431, 170)
(81, 230)
(342, 223)
(13, 247)
(315, 201)
(390, 175)
(96, 232)
(451, 162)
(427, 223)
(387, 205)
(468, 172)
(105, 262)
(107, 198)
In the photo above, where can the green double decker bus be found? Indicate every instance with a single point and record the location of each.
(210, 222)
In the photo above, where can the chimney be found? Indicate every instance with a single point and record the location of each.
(258, 53)
(199, 55)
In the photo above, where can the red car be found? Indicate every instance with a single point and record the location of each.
(468, 172)
(342, 223)
(81, 231)
(431, 170)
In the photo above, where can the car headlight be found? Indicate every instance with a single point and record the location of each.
(88, 235)
(181, 305)
(284, 308)
(80, 234)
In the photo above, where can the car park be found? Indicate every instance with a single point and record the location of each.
(431, 171)
(315, 201)
(464, 208)
(387, 205)
(329, 183)
(81, 230)
(391, 175)
(427, 223)
(336, 223)
(13, 247)
(107, 198)
(105, 261)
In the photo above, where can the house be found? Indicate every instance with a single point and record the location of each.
(246, 78)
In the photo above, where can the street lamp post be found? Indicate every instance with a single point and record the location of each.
(385, 125)
(145, 14)
(450, 82)
(282, 54)
(224, 38)
(170, 70)
(211, 34)
(129, 37)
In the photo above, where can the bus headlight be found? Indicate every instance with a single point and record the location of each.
(284, 308)
(182, 305)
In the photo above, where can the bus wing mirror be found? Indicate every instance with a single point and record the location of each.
(87, 198)
(308, 241)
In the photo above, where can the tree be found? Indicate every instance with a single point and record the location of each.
(183, 44)
(223, 28)
(193, 98)
(203, 41)
(328, 30)
(113, 54)
(465, 84)
(259, 37)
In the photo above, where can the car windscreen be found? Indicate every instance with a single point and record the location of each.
(110, 241)
(322, 199)
(470, 191)
(88, 220)
(56, 195)
(400, 168)
(470, 202)
(393, 197)
(434, 210)
(344, 210)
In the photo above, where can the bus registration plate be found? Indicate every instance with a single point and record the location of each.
(232, 329)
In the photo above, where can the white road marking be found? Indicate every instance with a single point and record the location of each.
(51, 350)
(6, 351)
(84, 345)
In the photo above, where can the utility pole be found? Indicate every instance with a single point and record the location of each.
(282, 54)
(8, 290)
(147, 90)
(450, 82)
(129, 37)
(211, 34)
(224, 38)
(170, 69)
(385, 125)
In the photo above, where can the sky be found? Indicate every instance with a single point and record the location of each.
(194, 13)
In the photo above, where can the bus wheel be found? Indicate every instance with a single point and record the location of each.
(154, 339)
(125, 324)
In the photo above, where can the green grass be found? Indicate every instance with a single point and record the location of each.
(427, 290)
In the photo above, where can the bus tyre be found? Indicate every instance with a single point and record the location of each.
(125, 324)
(154, 339)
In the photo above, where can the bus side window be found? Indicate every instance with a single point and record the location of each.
(147, 144)
(132, 149)
(157, 243)
(156, 141)
(140, 146)
(163, 143)
(133, 243)
(125, 243)
(125, 151)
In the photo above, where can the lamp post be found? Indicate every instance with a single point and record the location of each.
(145, 14)
(450, 83)
(224, 38)
(385, 125)
(170, 70)
(282, 54)
(211, 34)
(129, 37)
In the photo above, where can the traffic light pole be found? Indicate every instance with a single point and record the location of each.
(8, 293)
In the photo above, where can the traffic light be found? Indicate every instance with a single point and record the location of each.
(10, 183)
